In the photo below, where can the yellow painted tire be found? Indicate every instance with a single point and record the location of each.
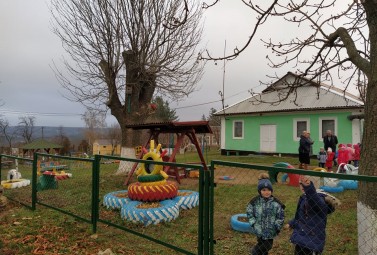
(320, 169)
(153, 183)
(17, 183)
(152, 193)
(147, 169)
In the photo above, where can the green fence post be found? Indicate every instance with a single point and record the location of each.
(95, 192)
(211, 207)
(201, 213)
(34, 182)
(206, 210)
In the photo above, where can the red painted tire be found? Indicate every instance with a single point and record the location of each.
(152, 193)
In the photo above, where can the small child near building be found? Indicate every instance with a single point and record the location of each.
(356, 155)
(329, 159)
(266, 216)
(322, 157)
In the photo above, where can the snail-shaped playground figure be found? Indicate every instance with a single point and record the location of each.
(152, 199)
(152, 184)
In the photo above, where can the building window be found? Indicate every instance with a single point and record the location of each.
(300, 125)
(327, 124)
(238, 129)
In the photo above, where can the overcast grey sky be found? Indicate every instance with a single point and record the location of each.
(28, 47)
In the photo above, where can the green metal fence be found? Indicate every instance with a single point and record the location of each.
(224, 191)
(230, 196)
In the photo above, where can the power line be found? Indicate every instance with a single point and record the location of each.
(7, 111)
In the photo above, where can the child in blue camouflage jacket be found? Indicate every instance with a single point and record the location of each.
(266, 216)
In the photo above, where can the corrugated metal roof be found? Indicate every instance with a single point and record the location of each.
(304, 98)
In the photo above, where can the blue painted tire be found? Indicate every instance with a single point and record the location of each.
(332, 189)
(112, 201)
(239, 225)
(348, 184)
(167, 212)
(187, 202)
(284, 178)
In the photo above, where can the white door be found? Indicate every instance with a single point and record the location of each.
(268, 138)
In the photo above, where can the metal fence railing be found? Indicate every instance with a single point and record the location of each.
(216, 211)
(312, 222)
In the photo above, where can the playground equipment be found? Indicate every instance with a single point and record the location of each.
(240, 225)
(181, 129)
(49, 175)
(153, 199)
(14, 180)
(334, 185)
(293, 178)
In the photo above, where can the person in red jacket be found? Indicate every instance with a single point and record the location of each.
(356, 155)
(329, 159)
(351, 152)
(342, 156)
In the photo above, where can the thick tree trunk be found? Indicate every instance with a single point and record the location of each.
(367, 202)
(140, 88)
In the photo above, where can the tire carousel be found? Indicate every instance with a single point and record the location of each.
(152, 199)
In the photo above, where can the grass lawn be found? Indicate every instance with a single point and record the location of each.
(46, 231)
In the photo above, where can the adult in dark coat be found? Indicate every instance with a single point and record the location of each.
(330, 141)
(304, 150)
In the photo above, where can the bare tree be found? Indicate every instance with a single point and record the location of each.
(26, 124)
(122, 52)
(339, 43)
(94, 122)
(8, 133)
(114, 134)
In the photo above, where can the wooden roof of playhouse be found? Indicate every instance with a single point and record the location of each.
(41, 144)
(200, 127)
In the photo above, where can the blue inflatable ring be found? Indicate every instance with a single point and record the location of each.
(240, 225)
(348, 184)
(332, 189)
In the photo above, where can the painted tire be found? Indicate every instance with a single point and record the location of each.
(111, 200)
(284, 178)
(145, 168)
(240, 225)
(348, 184)
(167, 212)
(274, 175)
(320, 169)
(150, 178)
(17, 183)
(188, 201)
(332, 189)
(152, 193)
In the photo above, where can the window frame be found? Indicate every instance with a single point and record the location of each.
(334, 132)
(307, 120)
(234, 129)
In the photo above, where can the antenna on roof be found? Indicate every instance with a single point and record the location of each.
(222, 93)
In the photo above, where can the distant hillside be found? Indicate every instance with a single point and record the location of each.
(75, 134)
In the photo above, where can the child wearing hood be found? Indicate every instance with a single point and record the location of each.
(356, 155)
(309, 223)
(266, 216)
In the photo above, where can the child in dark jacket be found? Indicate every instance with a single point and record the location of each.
(266, 216)
(322, 157)
(309, 223)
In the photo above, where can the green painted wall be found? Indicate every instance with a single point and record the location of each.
(285, 142)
